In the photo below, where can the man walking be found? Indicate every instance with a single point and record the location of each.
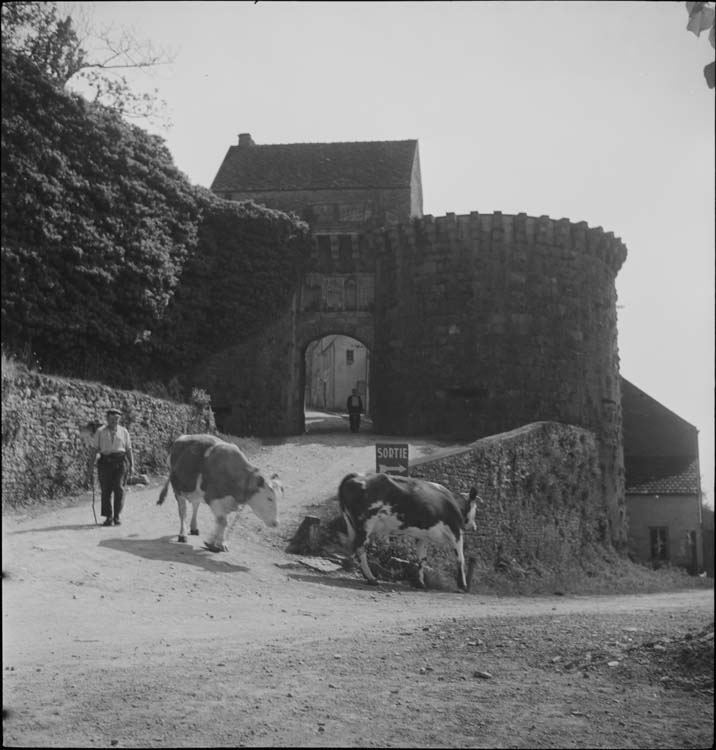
(112, 453)
(355, 409)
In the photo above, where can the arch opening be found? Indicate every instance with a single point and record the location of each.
(334, 366)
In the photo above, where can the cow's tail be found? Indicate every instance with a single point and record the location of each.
(163, 493)
(473, 500)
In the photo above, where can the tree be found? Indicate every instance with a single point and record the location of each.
(701, 18)
(97, 223)
(34, 30)
(58, 45)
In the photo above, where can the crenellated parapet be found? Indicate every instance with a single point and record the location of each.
(496, 230)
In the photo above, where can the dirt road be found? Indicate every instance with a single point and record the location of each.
(124, 637)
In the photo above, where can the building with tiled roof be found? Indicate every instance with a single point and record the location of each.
(657, 442)
(333, 186)
(684, 483)
(663, 487)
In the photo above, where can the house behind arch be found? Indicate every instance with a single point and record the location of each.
(339, 189)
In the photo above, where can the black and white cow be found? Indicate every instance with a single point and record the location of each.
(393, 505)
(204, 468)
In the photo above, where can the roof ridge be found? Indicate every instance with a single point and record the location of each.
(326, 143)
(249, 166)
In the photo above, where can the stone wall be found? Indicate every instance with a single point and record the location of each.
(479, 324)
(45, 432)
(342, 209)
(541, 486)
(679, 514)
(486, 322)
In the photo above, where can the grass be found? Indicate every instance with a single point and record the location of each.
(612, 575)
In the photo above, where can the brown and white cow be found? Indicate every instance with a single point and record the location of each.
(204, 468)
(393, 505)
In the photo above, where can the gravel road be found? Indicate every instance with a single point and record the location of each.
(122, 637)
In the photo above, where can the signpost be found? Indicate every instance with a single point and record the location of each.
(391, 458)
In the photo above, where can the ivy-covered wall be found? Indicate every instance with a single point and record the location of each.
(114, 266)
(45, 432)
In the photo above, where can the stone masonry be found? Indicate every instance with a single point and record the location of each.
(477, 324)
(45, 432)
(541, 490)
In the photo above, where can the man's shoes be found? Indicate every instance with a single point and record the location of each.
(108, 522)
(117, 522)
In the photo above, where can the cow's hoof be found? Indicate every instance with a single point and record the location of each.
(216, 547)
(181, 539)
(374, 582)
(194, 532)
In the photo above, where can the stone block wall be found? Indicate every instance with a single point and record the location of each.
(254, 385)
(45, 432)
(337, 210)
(491, 321)
(541, 487)
(485, 322)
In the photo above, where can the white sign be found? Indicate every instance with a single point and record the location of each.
(391, 458)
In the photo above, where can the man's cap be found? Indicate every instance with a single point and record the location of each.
(114, 411)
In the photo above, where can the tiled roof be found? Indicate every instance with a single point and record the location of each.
(312, 166)
(685, 483)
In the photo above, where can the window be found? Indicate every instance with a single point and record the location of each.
(312, 294)
(345, 251)
(659, 542)
(366, 294)
(349, 356)
(351, 294)
(352, 212)
(326, 212)
(324, 250)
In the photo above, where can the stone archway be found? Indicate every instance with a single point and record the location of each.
(334, 366)
(314, 326)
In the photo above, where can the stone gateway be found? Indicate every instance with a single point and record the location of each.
(477, 324)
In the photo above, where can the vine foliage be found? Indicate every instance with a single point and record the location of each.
(115, 267)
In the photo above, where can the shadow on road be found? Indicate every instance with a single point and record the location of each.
(68, 527)
(164, 549)
(348, 583)
(384, 587)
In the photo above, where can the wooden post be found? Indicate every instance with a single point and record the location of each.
(471, 562)
(304, 540)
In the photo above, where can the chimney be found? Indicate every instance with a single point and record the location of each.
(245, 139)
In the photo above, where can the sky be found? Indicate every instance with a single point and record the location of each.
(591, 111)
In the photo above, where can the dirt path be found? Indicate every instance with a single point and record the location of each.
(124, 637)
